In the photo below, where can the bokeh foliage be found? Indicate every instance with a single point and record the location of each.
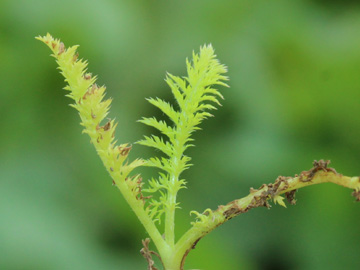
(295, 89)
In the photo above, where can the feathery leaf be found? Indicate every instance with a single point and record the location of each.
(195, 96)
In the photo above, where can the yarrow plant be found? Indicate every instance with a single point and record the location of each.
(195, 95)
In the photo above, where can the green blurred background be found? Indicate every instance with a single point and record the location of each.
(294, 97)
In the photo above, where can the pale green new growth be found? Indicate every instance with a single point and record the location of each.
(88, 100)
(195, 97)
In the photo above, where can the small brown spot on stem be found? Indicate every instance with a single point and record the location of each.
(93, 88)
(100, 137)
(356, 194)
(187, 252)
(321, 165)
(107, 126)
(87, 76)
(90, 91)
(257, 201)
(273, 189)
(61, 48)
(53, 44)
(290, 196)
(124, 151)
(75, 57)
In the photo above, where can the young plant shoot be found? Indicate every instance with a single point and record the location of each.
(195, 95)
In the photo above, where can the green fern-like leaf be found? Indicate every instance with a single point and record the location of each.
(195, 97)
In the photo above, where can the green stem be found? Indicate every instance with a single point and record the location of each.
(138, 208)
(178, 146)
(83, 89)
(170, 214)
(257, 198)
